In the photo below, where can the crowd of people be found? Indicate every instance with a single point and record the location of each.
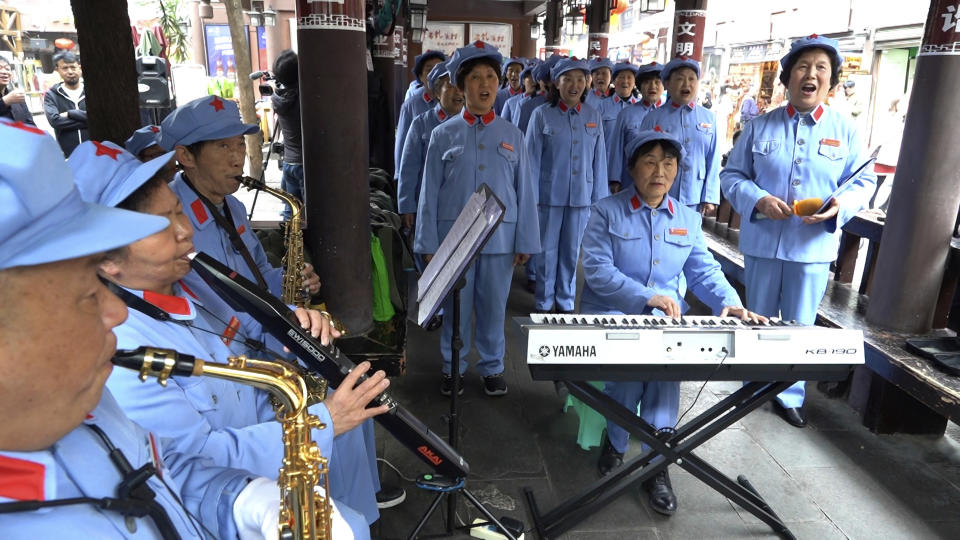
(594, 166)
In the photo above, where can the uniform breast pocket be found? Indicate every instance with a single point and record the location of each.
(679, 240)
(765, 148)
(450, 158)
(705, 130)
(631, 249)
(549, 130)
(832, 150)
(508, 152)
(203, 398)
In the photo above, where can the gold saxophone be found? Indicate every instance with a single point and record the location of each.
(304, 513)
(292, 291)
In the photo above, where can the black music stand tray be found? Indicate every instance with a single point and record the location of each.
(677, 450)
(444, 276)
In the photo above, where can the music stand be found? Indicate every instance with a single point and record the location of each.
(442, 277)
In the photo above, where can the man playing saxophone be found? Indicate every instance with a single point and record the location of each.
(70, 460)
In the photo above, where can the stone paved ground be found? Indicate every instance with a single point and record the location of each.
(833, 479)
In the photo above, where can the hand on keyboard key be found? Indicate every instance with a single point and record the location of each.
(743, 314)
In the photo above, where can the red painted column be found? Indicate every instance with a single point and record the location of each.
(689, 24)
(331, 39)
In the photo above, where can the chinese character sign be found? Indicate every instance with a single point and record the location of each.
(942, 31)
(498, 35)
(688, 31)
(443, 37)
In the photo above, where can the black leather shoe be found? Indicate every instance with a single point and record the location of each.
(662, 499)
(793, 415)
(610, 459)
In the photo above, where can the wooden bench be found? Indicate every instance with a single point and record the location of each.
(896, 391)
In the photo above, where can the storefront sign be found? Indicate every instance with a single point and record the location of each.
(688, 28)
(752, 54)
(942, 34)
(498, 35)
(443, 37)
(399, 51)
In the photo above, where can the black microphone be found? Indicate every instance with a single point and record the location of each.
(258, 75)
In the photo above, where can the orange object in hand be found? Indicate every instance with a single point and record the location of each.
(807, 207)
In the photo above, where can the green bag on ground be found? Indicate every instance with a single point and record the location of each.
(382, 306)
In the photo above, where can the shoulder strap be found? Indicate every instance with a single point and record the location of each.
(225, 222)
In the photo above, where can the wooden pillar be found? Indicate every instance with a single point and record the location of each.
(926, 188)
(598, 19)
(552, 26)
(333, 99)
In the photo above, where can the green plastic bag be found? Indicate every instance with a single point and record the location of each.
(382, 307)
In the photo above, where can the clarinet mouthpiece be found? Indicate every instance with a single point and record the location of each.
(157, 362)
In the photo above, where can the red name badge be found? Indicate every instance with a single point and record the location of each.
(231, 331)
(591, 124)
(678, 232)
(507, 146)
(829, 142)
(241, 229)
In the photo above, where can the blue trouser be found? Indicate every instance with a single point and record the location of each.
(292, 183)
(530, 269)
(790, 290)
(484, 297)
(661, 401)
(354, 479)
(561, 231)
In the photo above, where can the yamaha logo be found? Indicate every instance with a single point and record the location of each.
(544, 351)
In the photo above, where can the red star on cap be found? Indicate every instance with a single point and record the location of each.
(479, 44)
(813, 36)
(26, 127)
(653, 63)
(658, 128)
(155, 129)
(684, 58)
(216, 103)
(104, 150)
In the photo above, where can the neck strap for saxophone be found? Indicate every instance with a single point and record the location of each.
(225, 222)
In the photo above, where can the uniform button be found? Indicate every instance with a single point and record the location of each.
(650, 283)
(800, 142)
(796, 182)
(481, 167)
(653, 212)
(656, 261)
(687, 139)
(656, 237)
(576, 157)
(480, 126)
(798, 161)
(480, 147)
(576, 172)
(576, 142)
(214, 398)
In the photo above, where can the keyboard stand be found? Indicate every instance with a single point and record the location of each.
(677, 450)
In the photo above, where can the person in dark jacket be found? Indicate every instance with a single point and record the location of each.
(286, 103)
(12, 100)
(65, 104)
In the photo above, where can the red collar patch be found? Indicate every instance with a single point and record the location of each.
(104, 150)
(22, 480)
(216, 103)
(485, 119)
(174, 305)
(635, 202)
(426, 97)
(564, 108)
(817, 113)
(670, 205)
(155, 129)
(199, 211)
(514, 92)
(441, 115)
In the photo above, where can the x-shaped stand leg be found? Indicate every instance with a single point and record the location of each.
(677, 450)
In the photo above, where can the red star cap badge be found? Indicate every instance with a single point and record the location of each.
(155, 129)
(104, 150)
(26, 127)
(813, 36)
(657, 128)
(684, 58)
(216, 103)
(479, 44)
